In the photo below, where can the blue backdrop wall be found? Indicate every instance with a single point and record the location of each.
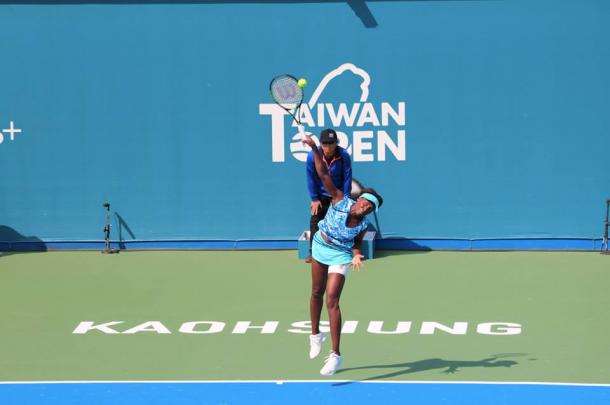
(474, 119)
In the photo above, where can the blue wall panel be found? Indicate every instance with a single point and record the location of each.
(500, 127)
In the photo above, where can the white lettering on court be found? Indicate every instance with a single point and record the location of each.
(428, 328)
(302, 327)
(194, 327)
(86, 326)
(243, 326)
(377, 326)
(150, 326)
(499, 328)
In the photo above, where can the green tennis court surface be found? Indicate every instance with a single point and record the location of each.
(510, 316)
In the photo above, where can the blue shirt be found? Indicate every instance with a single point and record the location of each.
(340, 171)
(334, 224)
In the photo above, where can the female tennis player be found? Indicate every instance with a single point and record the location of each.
(335, 247)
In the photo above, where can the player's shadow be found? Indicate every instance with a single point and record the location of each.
(13, 242)
(380, 254)
(446, 366)
(393, 246)
(398, 247)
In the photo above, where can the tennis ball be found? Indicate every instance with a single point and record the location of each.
(302, 83)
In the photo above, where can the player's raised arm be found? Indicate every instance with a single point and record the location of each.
(334, 192)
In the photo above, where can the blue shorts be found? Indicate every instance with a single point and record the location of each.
(329, 254)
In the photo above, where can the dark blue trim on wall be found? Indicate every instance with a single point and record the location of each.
(547, 244)
(491, 244)
(150, 245)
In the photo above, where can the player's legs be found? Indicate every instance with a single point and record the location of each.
(334, 286)
(319, 275)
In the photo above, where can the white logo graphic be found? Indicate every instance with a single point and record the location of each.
(11, 131)
(369, 132)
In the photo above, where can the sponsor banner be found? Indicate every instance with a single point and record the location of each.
(369, 131)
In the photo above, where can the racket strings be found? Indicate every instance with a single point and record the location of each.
(285, 90)
(287, 93)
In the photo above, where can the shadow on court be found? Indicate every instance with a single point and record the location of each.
(13, 242)
(446, 366)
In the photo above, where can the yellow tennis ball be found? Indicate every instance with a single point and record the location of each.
(302, 83)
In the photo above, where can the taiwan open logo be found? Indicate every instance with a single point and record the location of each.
(369, 131)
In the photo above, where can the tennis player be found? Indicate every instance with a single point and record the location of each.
(339, 166)
(336, 246)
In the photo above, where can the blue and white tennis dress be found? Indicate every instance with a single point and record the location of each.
(334, 226)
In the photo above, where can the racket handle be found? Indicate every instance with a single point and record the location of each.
(302, 131)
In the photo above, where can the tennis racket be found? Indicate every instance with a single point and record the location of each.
(287, 93)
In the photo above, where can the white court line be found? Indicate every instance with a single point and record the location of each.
(303, 381)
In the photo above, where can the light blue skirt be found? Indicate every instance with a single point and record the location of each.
(329, 254)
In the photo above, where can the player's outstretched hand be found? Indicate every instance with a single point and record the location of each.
(308, 141)
(357, 262)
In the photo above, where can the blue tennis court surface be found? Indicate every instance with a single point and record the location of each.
(272, 392)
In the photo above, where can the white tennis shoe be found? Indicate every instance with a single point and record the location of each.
(333, 362)
(315, 344)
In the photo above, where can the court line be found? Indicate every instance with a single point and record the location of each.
(568, 384)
